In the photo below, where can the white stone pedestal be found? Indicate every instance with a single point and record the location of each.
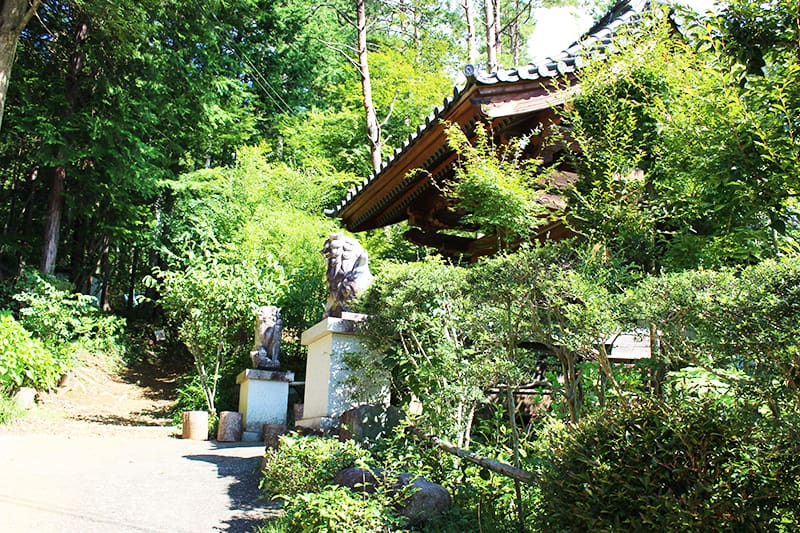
(263, 395)
(326, 394)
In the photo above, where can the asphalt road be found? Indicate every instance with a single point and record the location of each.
(128, 483)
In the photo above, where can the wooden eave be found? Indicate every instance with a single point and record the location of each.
(383, 199)
(515, 101)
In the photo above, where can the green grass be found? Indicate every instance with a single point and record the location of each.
(9, 410)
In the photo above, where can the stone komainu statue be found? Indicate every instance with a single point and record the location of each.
(269, 326)
(348, 272)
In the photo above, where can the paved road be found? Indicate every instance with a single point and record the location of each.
(128, 482)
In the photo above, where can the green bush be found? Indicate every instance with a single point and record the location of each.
(189, 397)
(743, 324)
(210, 306)
(695, 465)
(307, 464)
(24, 361)
(337, 509)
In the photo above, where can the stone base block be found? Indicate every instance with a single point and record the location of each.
(251, 436)
(308, 423)
(327, 393)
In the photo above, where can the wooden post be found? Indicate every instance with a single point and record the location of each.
(195, 425)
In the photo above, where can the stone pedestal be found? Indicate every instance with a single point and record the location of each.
(326, 394)
(263, 398)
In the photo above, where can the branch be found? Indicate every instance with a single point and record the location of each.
(391, 109)
(340, 49)
(490, 464)
(341, 14)
(34, 6)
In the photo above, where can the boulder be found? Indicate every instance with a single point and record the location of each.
(425, 500)
(360, 479)
(368, 422)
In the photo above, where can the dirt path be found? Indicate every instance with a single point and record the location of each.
(101, 455)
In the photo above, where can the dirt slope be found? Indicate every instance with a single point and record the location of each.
(100, 401)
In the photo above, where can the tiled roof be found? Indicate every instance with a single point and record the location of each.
(594, 42)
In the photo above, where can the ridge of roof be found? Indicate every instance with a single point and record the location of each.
(572, 58)
(595, 40)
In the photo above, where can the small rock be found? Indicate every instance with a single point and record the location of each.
(25, 398)
(271, 434)
(66, 381)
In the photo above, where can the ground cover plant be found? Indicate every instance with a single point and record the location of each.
(48, 329)
(300, 472)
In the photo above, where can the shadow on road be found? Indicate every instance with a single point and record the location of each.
(247, 504)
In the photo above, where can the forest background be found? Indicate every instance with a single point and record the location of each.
(166, 165)
(168, 137)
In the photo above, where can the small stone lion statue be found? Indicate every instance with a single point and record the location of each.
(348, 272)
(269, 326)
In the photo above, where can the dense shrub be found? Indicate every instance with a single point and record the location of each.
(694, 465)
(65, 321)
(416, 313)
(744, 323)
(307, 464)
(24, 361)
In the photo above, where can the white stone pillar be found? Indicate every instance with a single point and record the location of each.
(326, 393)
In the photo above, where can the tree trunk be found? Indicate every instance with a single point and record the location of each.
(132, 281)
(52, 228)
(491, 35)
(73, 94)
(8, 50)
(14, 16)
(105, 274)
(472, 45)
(498, 41)
(26, 216)
(515, 35)
(373, 127)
